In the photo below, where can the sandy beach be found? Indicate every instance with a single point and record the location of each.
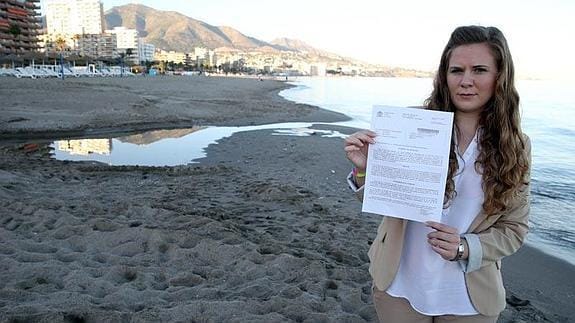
(263, 229)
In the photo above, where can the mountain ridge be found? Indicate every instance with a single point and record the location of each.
(171, 30)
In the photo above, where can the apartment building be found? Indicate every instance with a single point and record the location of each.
(19, 26)
(170, 56)
(126, 42)
(74, 17)
(125, 38)
(98, 45)
(145, 51)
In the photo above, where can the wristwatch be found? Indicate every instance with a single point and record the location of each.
(460, 251)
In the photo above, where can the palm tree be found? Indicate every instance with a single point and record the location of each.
(76, 37)
(60, 46)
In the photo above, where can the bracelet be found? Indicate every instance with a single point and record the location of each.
(357, 173)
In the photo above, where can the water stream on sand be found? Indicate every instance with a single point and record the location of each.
(166, 147)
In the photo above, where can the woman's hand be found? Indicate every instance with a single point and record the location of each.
(444, 240)
(356, 148)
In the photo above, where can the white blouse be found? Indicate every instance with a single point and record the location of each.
(434, 286)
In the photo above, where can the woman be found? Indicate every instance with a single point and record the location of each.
(450, 271)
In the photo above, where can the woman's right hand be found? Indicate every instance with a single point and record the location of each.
(356, 148)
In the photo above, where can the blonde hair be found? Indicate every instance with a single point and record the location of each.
(502, 159)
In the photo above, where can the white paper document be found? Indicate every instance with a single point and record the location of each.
(407, 166)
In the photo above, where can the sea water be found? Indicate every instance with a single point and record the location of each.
(548, 117)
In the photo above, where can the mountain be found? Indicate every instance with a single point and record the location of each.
(147, 138)
(171, 30)
(297, 46)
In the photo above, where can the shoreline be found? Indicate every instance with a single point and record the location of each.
(264, 228)
(92, 109)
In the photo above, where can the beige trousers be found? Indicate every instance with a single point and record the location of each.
(398, 310)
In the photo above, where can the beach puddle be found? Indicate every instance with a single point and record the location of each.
(166, 147)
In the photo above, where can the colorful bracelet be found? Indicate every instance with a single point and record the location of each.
(357, 173)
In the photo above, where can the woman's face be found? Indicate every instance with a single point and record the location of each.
(471, 77)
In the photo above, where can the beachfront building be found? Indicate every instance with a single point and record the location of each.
(170, 56)
(203, 57)
(97, 45)
(125, 38)
(145, 51)
(86, 146)
(54, 43)
(212, 58)
(199, 56)
(224, 55)
(68, 18)
(19, 26)
(126, 41)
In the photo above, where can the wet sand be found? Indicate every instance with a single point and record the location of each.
(263, 229)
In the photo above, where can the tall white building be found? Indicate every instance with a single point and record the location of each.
(126, 42)
(126, 38)
(203, 56)
(74, 17)
(145, 51)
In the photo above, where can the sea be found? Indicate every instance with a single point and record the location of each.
(548, 117)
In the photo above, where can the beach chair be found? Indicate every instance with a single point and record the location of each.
(23, 73)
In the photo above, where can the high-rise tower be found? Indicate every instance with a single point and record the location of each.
(19, 26)
(68, 18)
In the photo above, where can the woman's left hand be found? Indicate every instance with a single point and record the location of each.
(444, 240)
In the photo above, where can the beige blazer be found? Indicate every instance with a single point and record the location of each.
(500, 235)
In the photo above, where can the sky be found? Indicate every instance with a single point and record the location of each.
(405, 33)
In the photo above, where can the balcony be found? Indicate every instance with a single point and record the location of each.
(31, 5)
(14, 17)
(14, 2)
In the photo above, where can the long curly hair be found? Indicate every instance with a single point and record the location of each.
(502, 159)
